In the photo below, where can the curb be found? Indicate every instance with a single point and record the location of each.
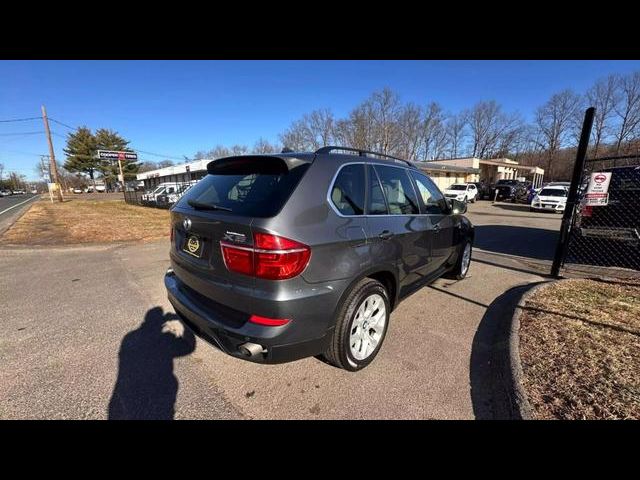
(522, 406)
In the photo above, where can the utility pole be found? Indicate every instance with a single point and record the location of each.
(54, 167)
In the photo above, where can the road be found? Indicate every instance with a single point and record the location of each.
(12, 207)
(90, 340)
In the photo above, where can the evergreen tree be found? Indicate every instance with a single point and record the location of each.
(81, 151)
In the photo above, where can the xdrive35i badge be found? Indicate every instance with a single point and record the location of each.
(235, 237)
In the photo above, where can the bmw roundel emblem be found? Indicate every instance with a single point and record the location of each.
(186, 223)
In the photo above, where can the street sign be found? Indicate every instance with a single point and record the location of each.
(117, 155)
(598, 190)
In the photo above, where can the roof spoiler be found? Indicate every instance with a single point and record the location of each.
(247, 164)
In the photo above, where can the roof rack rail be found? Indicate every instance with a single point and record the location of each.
(360, 152)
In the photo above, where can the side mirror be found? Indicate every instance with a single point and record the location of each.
(457, 207)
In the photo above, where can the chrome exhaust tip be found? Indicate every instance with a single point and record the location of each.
(251, 349)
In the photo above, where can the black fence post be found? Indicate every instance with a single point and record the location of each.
(576, 180)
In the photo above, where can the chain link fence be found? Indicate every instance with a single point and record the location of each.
(608, 234)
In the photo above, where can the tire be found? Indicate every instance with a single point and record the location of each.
(473, 200)
(466, 200)
(340, 352)
(460, 271)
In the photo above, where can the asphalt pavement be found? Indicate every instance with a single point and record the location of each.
(12, 207)
(88, 333)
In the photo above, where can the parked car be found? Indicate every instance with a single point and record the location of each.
(553, 199)
(169, 199)
(285, 256)
(77, 190)
(610, 235)
(167, 188)
(465, 192)
(511, 190)
(485, 190)
(18, 192)
(4, 193)
(34, 191)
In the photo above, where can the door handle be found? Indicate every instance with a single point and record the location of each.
(386, 235)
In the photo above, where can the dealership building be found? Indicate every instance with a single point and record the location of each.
(491, 170)
(443, 172)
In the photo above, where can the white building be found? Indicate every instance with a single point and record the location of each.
(443, 172)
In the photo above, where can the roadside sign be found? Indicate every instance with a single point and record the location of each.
(117, 155)
(598, 190)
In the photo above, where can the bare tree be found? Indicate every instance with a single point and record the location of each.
(263, 146)
(554, 121)
(456, 133)
(239, 150)
(434, 134)
(603, 96)
(384, 108)
(627, 109)
(312, 131)
(357, 130)
(490, 128)
(1, 171)
(410, 127)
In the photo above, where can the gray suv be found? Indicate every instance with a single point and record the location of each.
(279, 257)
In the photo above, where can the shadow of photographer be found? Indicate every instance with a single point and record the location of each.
(146, 387)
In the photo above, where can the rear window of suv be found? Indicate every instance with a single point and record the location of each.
(248, 186)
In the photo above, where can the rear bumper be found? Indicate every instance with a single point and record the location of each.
(210, 324)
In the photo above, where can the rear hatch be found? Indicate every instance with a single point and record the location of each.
(222, 207)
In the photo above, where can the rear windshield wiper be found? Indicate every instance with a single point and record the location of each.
(207, 206)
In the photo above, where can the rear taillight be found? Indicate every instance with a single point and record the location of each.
(271, 257)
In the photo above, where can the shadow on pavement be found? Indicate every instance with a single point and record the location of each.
(538, 243)
(492, 391)
(146, 387)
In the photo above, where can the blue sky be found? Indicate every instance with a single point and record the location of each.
(176, 108)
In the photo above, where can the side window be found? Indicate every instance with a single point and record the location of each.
(347, 193)
(398, 190)
(431, 197)
(376, 205)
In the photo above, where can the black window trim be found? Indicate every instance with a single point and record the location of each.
(366, 193)
(420, 201)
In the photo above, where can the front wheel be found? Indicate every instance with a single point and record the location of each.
(361, 326)
(464, 261)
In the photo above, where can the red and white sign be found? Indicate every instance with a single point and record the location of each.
(597, 191)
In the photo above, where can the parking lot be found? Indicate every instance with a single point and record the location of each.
(92, 342)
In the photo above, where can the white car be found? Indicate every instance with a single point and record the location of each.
(162, 189)
(465, 192)
(551, 199)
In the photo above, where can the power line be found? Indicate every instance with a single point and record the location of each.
(21, 133)
(160, 155)
(20, 119)
(63, 124)
(157, 154)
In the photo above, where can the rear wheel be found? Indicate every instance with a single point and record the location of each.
(361, 326)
